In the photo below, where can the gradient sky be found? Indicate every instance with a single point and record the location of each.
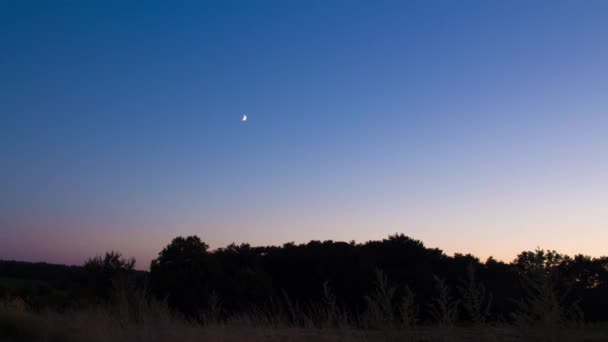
(474, 126)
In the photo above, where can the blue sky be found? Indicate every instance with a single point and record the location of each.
(475, 126)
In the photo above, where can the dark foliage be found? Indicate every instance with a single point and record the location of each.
(44, 286)
(243, 276)
(103, 274)
(41, 285)
(398, 276)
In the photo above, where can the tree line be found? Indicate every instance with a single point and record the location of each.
(396, 279)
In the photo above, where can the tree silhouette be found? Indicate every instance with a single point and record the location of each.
(181, 273)
(239, 278)
(107, 272)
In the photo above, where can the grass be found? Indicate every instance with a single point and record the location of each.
(391, 314)
(136, 319)
(102, 326)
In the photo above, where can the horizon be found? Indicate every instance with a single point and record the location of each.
(475, 127)
(146, 267)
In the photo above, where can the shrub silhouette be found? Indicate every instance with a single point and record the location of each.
(107, 272)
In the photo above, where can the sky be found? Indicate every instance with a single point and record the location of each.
(475, 126)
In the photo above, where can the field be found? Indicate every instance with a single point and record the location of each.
(154, 322)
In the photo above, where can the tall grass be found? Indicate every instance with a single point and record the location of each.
(545, 309)
(408, 310)
(380, 311)
(391, 314)
(475, 299)
(443, 308)
(386, 309)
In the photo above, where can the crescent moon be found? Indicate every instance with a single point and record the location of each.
(244, 117)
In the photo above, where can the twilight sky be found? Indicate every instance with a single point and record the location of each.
(474, 126)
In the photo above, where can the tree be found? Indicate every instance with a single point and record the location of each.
(181, 274)
(103, 274)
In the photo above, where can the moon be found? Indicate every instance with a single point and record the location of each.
(244, 117)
